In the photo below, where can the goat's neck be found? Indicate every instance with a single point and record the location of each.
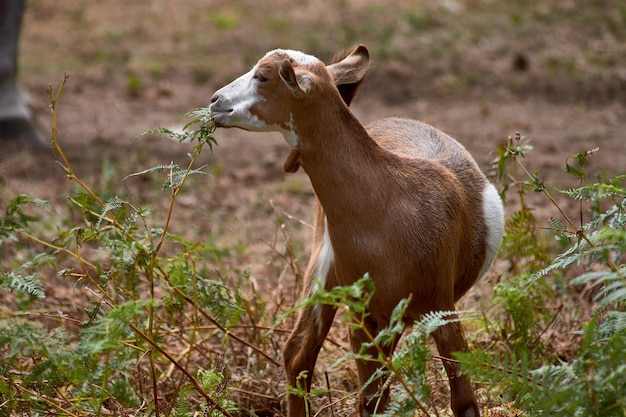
(342, 160)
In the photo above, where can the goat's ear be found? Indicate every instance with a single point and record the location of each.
(352, 68)
(298, 84)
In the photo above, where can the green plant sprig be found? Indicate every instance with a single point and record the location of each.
(516, 152)
(203, 135)
(591, 381)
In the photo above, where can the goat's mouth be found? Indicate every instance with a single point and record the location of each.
(221, 117)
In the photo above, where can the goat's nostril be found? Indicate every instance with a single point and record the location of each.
(214, 99)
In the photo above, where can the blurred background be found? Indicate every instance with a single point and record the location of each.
(554, 70)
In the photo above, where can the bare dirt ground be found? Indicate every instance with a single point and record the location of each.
(479, 71)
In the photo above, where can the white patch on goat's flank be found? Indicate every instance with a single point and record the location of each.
(493, 214)
(324, 263)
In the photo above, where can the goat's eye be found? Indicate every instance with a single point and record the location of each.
(260, 77)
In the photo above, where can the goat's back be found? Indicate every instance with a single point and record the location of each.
(413, 139)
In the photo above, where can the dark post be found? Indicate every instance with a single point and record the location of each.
(17, 122)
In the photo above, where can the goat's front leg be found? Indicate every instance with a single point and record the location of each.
(303, 345)
(449, 339)
(300, 354)
(375, 395)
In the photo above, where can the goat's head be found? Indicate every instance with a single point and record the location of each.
(264, 98)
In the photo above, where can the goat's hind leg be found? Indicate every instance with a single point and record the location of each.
(449, 339)
(374, 394)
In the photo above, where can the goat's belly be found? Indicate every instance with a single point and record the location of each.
(396, 275)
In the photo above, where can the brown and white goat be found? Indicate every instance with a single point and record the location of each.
(399, 200)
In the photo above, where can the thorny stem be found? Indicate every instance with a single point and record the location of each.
(546, 193)
(520, 194)
(174, 362)
(181, 368)
(288, 256)
(335, 402)
(150, 273)
(194, 321)
(67, 167)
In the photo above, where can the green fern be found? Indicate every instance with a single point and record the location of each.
(111, 204)
(14, 216)
(22, 281)
(592, 383)
(611, 284)
(23, 284)
(202, 124)
(155, 169)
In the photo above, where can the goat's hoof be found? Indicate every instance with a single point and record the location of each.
(469, 411)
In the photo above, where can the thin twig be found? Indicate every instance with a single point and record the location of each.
(218, 325)
(181, 368)
(62, 410)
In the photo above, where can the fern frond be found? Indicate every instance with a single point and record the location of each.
(156, 168)
(433, 320)
(23, 284)
(391, 333)
(110, 205)
(593, 191)
(202, 133)
(576, 172)
(556, 224)
(612, 285)
(603, 190)
(163, 131)
(106, 332)
(563, 260)
(15, 218)
(613, 323)
(176, 178)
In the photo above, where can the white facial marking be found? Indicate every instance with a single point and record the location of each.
(493, 214)
(299, 57)
(324, 263)
(232, 109)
